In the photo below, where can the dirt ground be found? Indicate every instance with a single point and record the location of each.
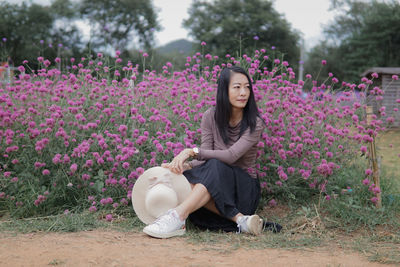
(112, 248)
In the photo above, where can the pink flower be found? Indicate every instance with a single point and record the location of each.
(376, 190)
(272, 203)
(363, 149)
(89, 163)
(73, 167)
(323, 62)
(375, 75)
(122, 128)
(139, 170)
(368, 172)
(125, 165)
(66, 159)
(85, 177)
(395, 77)
(374, 200)
(203, 43)
(366, 181)
(109, 217)
(47, 63)
(45, 172)
(92, 209)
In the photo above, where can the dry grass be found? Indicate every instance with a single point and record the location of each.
(388, 146)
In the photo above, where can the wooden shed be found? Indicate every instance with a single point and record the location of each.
(390, 87)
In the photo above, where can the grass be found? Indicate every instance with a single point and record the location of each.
(388, 149)
(73, 222)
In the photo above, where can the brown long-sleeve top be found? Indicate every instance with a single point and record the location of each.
(240, 152)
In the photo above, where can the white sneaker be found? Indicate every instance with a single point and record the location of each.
(250, 224)
(166, 226)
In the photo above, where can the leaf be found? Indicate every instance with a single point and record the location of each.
(98, 185)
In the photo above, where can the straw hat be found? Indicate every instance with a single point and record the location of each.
(156, 191)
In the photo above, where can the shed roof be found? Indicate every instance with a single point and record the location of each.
(381, 70)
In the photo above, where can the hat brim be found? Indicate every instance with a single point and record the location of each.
(179, 184)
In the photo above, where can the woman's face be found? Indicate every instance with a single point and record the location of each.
(239, 90)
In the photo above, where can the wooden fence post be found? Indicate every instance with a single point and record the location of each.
(373, 160)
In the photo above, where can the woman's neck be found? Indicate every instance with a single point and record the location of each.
(236, 117)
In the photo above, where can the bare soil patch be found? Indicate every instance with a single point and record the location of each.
(113, 248)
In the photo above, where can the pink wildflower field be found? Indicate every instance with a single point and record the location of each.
(79, 139)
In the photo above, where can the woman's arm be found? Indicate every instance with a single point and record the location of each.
(207, 136)
(178, 164)
(238, 149)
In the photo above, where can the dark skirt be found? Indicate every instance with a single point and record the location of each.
(232, 189)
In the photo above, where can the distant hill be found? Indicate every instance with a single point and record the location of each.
(181, 46)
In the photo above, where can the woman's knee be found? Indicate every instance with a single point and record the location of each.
(216, 162)
(200, 187)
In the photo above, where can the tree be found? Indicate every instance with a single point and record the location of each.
(238, 26)
(31, 30)
(314, 66)
(21, 26)
(364, 35)
(117, 22)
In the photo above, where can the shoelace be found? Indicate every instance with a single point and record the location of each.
(159, 220)
(239, 225)
(239, 229)
(164, 220)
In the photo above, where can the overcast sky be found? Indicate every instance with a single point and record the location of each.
(307, 16)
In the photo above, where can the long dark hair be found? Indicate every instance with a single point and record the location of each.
(223, 109)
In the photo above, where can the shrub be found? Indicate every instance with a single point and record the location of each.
(79, 140)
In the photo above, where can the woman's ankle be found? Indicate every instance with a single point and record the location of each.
(182, 214)
(235, 219)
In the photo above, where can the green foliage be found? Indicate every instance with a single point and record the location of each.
(31, 31)
(364, 35)
(117, 22)
(227, 25)
(351, 209)
(50, 31)
(16, 25)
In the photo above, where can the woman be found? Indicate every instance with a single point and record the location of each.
(225, 189)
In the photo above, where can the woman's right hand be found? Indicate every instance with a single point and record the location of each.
(186, 166)
(165, 165)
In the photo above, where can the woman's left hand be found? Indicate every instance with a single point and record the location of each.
(177, 164)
